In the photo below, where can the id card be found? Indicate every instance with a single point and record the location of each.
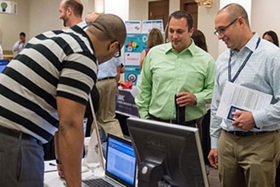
(231, 110)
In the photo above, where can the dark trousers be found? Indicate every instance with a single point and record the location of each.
(277, 180)
(21, 163)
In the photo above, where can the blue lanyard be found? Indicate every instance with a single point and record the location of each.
(242, 65)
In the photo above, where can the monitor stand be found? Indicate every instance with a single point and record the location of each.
(149, 174)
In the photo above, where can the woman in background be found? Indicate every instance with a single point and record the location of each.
(154, 38)
(272, 37)
(199, 39)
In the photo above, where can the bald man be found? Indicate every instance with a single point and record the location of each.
(246, 150)
(49, 93)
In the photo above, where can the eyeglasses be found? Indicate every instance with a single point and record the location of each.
(223, 29)
(118, 53)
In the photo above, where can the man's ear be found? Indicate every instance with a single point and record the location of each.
(69, 11)
(191, 31)
(113, 46)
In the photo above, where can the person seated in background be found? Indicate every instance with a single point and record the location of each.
(19, 45)
(272, 37)
(154, 38)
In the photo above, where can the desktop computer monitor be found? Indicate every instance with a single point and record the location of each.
(167, 151)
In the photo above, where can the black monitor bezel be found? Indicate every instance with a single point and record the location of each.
(166, 128)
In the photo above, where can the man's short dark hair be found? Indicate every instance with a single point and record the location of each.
(182, 14)
(75, 6)
(22, 34)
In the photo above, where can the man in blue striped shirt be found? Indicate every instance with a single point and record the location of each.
(246, 150)
(45, 89)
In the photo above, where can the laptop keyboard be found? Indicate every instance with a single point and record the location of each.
(97, 183)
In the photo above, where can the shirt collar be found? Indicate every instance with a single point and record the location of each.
(191, 49)
(251, 44)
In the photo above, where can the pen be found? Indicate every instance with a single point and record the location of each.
(52, 164)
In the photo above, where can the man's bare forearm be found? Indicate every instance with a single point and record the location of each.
(70, 151)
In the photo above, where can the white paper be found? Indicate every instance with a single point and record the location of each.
(133, 26)
(93, 155)
(147, 25)
(50, 166)
(237, 97)
(132, 59)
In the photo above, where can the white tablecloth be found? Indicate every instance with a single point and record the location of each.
(51, 178)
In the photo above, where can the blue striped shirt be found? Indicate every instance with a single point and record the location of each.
(260, 73)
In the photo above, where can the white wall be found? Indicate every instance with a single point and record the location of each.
(265, 16)
(206, 18)
(119, 7)
(44, 16)
(142, 10)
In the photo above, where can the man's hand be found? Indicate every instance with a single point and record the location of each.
(60, 171)
(213, 158)
(243, 120)
(185, 99)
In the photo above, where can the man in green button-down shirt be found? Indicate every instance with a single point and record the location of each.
(176, 68)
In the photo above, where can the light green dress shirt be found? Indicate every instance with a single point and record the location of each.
(166, 72)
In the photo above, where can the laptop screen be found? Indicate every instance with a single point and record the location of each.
(3, 64)
(121, 161)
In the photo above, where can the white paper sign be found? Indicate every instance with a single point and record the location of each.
(133, 26)
(147, 25)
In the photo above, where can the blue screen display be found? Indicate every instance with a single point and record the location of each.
(3, 64)
(121, 160)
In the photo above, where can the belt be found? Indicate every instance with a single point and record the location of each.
(249, 133)
(18, 134)
(107, 78)
(191, 123)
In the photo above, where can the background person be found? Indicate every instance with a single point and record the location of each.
(154, 38)
(199, 40)
(166, 34)
(108, 77)
(177, 68)
(241, 148)
(19, 45)
(272, 37)
(70, 11)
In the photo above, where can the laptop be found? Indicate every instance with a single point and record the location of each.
(120, 168)
(3, 64)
